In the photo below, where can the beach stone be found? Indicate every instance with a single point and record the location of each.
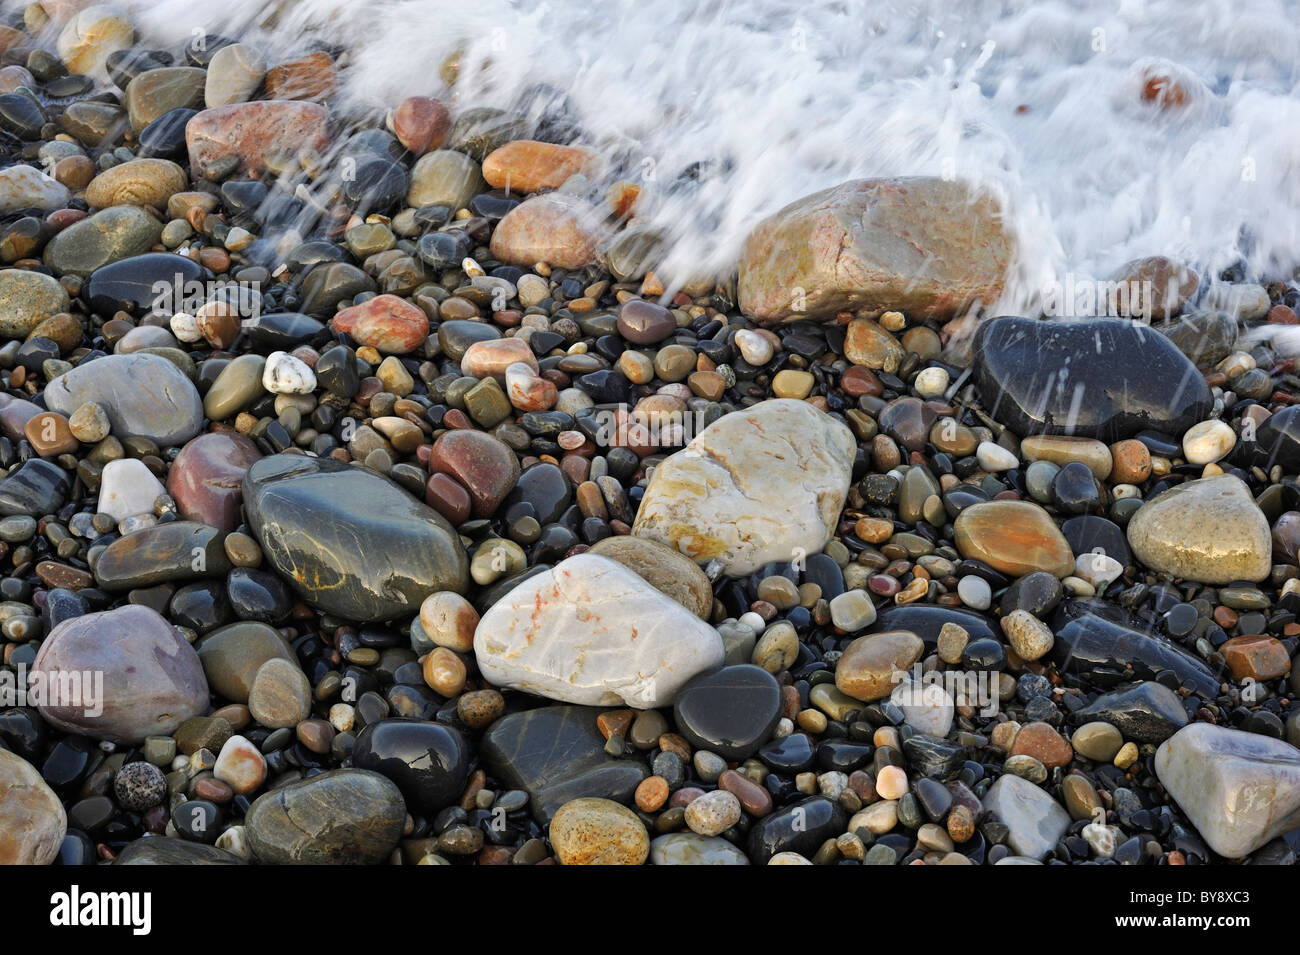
(483, 464)
(238, 385)
(556, 754)
(1028, 636)
(107, 236)
(662, 568)
(691, 848)
(32, 819)
(146, 396)
(1034, 820)
(1103, 378)
(234, 73)
(232, 656)
(421, 123)
(142, 283)
(1208, 441)
(240, 765)
(1205, 337)
(283, 374)
(310, 77)
(37, 488)
(645, 323)
(155, 92)
(27, 299)
(713, 813)
(1256, 657)
(171, 852)
(159, 553)
(542, 637)
(1278, 438)
(556, 228)
(1043, 743)
(280, 695)
(206, 479)
(1062, 450)
(1239, 789)
(340, 817)
(449, 620)
(526, 165)
(91, 35)
(444, 177)
(924, 246)
(323, 525)
(866, 669)
(852, 610)
(254, 132)
(1146, 712)
(595, 831)
(390, 324)
(1014, 537)
(740, 494)
(140, 182)
(491, 358)
(730, 712)
(869, 345)
(127, 487)
(1097, 740)
(152, 678)
(1172, 285)
(1209, 530)
(429, 762)
(26, 187)
(89, 423)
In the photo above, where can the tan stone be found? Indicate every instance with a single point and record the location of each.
(866, 669)
(527, 166)
(663, 568)
(140, 182)
(558, 229)
(32, 820)
(1064, 450)
(594, 831)
(1014, 537)
(869, 345)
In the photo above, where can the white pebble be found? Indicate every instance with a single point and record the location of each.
(127, 488)
(286, 375)
(931, 382)
(975, 592)
(1097, 569)
(754, 347)
(753, 621)
(993, 457)
(1208, 441)
(185, 327)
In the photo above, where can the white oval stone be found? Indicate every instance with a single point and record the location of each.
(1239, 789)
(757, 486)
(931, 382)
(975, 592)
(1208, 441)
(754, 347)
(1034, 820)
(286, 375)
(240, 765)
(994, 458)
(127, 488)
(927, 707)
(591, 631)
(185, 327)
(1098, 569)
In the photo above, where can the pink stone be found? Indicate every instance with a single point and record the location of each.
(390, 324)
(494, 357)
(255, 131)
(421, 124)
(527, 392)
(555, 228)
(207, 478)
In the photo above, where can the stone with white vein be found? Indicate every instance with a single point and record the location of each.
(286, 375)
(760, 485)
(1238, 789)
(591, 631)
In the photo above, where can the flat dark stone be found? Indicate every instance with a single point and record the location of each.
(545, 487)
(428, 761)
(1087, 533)
(1038, 593)
(1144, 712)
(342, 817)
(164, 138)
(800, 828)
(731, 711)
(1108, 653)
(349, 541)
(1103, 378)
(283, 331)
(162, 553)
(139, 283)
(556, 754)
(159, 850)
(934, 757)
(788, 755)
(37, 488)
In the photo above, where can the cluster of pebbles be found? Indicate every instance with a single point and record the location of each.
(368, 496)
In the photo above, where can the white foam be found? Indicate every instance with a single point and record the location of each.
(796, 96)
